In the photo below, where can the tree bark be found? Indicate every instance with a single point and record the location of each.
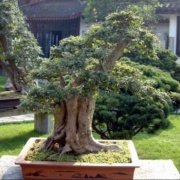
(18, 79)
(116, 53)
(14, 76)
(73, 128)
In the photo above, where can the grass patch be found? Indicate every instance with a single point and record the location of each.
(165, 144)
(122, 156)
(14, 136)
(2, 83)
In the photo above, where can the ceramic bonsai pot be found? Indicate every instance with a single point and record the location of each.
(71, 171)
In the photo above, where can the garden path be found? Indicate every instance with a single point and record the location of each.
(18, 118)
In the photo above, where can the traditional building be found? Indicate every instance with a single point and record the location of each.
(169, 29)
(52, 20)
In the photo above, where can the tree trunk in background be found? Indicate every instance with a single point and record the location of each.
(15, 75)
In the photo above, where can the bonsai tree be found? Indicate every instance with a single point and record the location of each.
(72, 77)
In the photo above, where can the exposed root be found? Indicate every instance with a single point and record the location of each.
(60, 135)
(94, 147)
(48, 144)
(66, 149)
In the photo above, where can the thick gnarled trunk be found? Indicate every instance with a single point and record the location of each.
(73, 128)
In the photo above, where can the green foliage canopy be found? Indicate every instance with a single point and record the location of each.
(82, 65)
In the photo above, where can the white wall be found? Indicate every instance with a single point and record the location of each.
(162, 31)
(83, 27)
(173, 31)
(168, 29)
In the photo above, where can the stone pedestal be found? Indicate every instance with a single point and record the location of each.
(43, 122)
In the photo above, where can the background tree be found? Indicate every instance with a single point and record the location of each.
(77, 69)
(140, 103)
(19, 52)
(97, 10)
(157, 64)
(145, 93)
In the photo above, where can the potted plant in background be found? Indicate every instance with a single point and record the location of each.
(72, 77)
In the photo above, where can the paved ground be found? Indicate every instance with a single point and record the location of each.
(19, 118)
(157, 169)
(149, 169)
(8, 170)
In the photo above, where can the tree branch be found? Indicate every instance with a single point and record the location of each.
(3, 43)
(116, 53)
(62, 82)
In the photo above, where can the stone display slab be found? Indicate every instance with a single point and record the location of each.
(157, 169)
(8, 170)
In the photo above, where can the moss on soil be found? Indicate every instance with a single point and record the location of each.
(122, 156)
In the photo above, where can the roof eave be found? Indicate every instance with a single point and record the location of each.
(74, 16)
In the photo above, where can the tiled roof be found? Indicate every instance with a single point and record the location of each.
(169, 7)
(52, 9)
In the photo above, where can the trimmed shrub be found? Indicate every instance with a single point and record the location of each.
(122, 115)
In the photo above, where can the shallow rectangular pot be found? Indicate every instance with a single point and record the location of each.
(71, 171)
